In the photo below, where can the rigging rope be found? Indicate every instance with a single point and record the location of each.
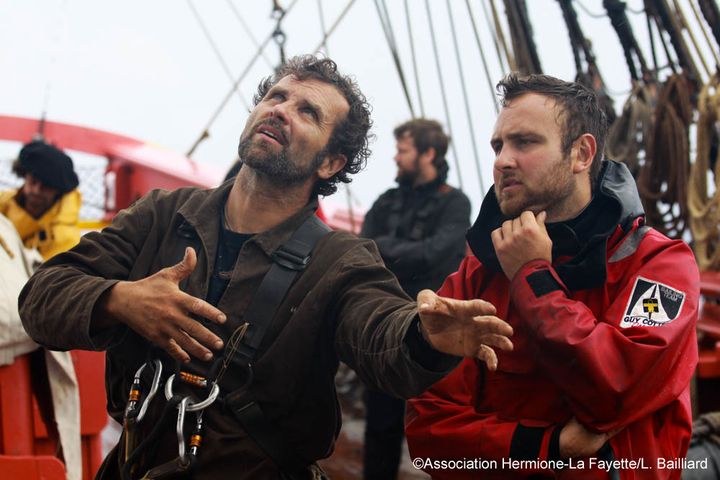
(216, 50)
(680, 15)
(321, 14)
(443, 94)
(663, 179)
(711, 13)
(588, 72)
(334, 25)
(507, 63)
(57, 40)
(278, 14)
(524, 49)
(666, 19)
(482, 57)
(249, 32)
(701, 24)
(461, 73)
(618, 18)
(704, 209)
(630, 133)
(414, 60)
(390, 38)
(205, 133)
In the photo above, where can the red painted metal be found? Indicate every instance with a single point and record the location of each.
(134, 167)
(26, 467)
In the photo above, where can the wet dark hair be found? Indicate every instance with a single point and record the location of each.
(350, 137)
(579, 109)
(427, 134)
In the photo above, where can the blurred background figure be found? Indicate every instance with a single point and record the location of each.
(419, 228)
(45, 209)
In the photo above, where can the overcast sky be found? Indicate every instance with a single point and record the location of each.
(145, 69)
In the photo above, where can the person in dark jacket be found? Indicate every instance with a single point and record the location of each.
(217, 286)
(419, 228)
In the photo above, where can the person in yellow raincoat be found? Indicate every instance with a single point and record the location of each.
(46, 208)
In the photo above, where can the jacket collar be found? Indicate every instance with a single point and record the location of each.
(579, 244)
(201, 212)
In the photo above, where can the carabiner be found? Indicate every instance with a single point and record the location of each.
(193, 406)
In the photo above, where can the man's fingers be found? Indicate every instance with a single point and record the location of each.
(203, 309)
(497, 341)
(497, 237)
(541, 220)
(180, 271)
(176, 352)
(190, 345)
(487, 355)
(491, 324)
(199, 333)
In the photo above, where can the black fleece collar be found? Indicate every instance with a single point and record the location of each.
(583, 239)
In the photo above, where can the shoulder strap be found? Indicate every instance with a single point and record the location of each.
(288, 261)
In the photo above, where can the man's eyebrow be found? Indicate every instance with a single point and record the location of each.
(524, 134)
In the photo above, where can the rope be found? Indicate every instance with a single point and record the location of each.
(684, 26)
(630, 133)
(205, 133)
(57, 40)
(482, 57)
(442, 89)
(663, 179)
(216, 50)
(507, 62)
(249, 32)
(278, 14)
(334, 25)
(321, 14)
(461, 73)
(668, 19)
(711, 13)
(704, 209)
(414, 60)
(390, 38)
(711, 47)
(524, 49)
(618, 18)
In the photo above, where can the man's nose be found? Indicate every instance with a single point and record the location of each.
(504, 159)
(279, 111)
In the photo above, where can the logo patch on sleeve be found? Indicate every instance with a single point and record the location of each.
(652, 304)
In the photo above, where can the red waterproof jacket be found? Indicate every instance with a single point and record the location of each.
(615, 348)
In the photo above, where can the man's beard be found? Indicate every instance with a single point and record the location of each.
(556, 188)
(407, 178)
(276, 168)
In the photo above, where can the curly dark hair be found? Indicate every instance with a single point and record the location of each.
(427, 134)
(351, 136)
(580, 110)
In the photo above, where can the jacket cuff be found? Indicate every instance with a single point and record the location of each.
(535, 443)
(424, 354)
(535, 280)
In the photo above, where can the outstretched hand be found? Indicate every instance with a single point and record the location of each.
(464, 328)
(157, 309)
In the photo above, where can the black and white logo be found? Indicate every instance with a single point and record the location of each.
(652, 304)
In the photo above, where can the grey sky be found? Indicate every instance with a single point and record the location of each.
(145, 69)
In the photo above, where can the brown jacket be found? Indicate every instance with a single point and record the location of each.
(344, 307)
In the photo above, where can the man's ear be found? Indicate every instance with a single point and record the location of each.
(332, 163)
(428, 157)
(583, 152)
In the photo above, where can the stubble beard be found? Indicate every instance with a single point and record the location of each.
(555, 189)
(276, 168)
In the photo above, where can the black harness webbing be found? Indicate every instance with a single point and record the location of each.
(288, 261)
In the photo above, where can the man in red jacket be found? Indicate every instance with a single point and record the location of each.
(603, 309)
